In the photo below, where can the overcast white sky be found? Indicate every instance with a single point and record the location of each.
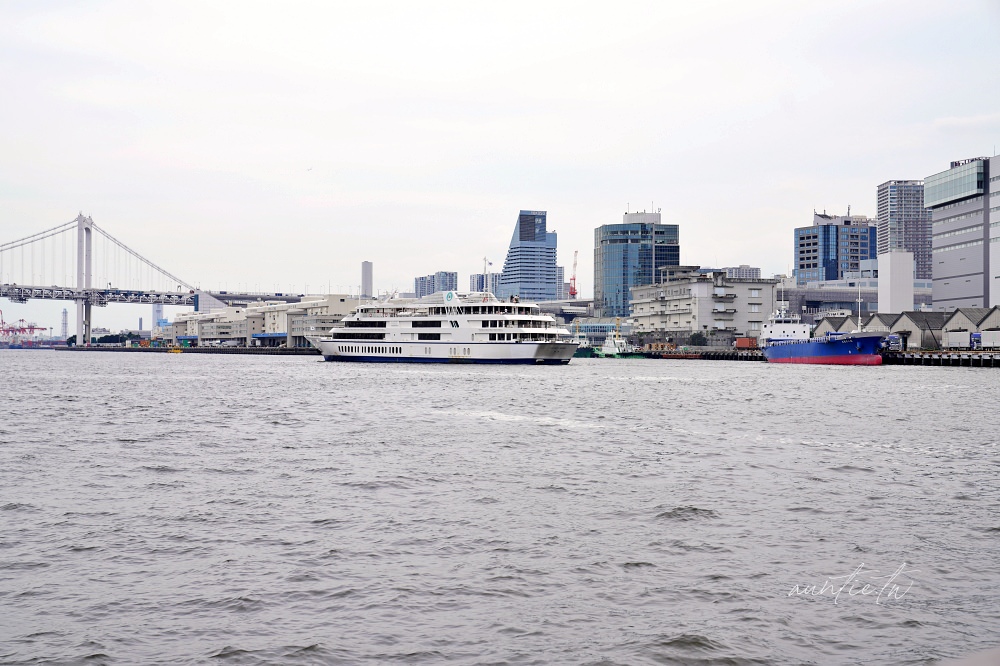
(280, 144)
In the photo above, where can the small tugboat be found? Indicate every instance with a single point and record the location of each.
(585, 348)
(615, 346)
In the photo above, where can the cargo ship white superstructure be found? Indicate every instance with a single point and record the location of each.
(448, 327)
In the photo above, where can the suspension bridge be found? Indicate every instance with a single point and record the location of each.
(81, 262)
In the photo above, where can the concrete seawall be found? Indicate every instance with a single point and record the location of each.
(260, 351)
(970, 359)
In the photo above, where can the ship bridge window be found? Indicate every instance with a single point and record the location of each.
(454, 324)
(359, 336)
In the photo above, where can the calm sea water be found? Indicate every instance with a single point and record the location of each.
(240, 509)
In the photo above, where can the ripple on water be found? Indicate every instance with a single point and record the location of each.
(279, 510)
(686, 513)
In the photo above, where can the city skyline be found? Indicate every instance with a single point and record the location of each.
(284, 152)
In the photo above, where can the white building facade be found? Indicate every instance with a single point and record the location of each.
(687, 301)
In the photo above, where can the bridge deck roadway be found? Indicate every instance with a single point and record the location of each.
(22, 294)
(101, 297)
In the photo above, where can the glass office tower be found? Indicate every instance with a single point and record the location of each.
(629, 255)
(530, 271)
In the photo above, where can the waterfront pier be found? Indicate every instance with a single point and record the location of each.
(971, 359)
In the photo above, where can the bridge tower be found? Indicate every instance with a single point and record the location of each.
(84, 276)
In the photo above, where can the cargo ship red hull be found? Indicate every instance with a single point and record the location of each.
(832, 349)
(832, 360)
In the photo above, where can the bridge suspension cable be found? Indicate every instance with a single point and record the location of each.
(140, 257)
(41, 235)
(49, 258)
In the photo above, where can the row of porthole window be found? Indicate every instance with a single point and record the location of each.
(360, 349)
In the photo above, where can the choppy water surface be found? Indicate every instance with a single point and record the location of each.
(185, 509)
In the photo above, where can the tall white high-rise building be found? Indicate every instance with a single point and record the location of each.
(366, 279)
(65, 324)
(904, 223)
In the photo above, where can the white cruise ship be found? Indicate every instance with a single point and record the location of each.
(448, 327)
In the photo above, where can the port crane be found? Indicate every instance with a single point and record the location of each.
(572, 279)
(20, 327)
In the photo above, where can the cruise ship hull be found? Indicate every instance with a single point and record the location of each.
(523, 353)
(851, 349)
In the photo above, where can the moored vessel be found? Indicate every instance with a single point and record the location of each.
(448, 327)
(831, 349)
(585, 348)
(786, 339)
(615, 346)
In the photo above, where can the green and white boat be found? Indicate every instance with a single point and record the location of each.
(615, 346)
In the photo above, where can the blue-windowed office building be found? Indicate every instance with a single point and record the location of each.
(440, 281)
(629, 255)
(832, 246)
(530, 271)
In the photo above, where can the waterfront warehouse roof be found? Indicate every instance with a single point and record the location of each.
(965, 319)
(828, 325)
(885, 319)
(925, 321)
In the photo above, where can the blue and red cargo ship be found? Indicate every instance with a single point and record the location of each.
(786, 339)
(830, 349)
